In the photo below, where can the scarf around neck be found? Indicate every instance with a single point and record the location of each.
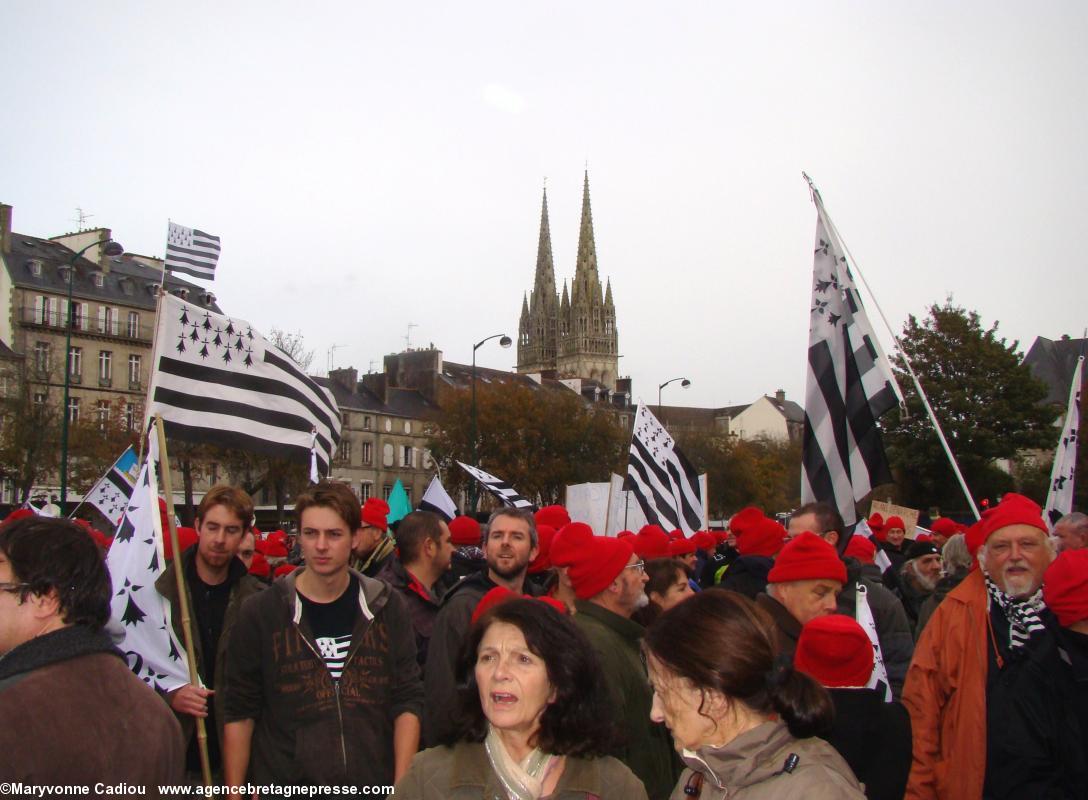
(1023, 615)
(522, 780)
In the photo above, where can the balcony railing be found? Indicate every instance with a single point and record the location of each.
(88, 326)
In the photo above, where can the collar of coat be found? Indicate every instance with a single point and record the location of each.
(471, 768)
(625, 627)
(51, 648)
(753, 757)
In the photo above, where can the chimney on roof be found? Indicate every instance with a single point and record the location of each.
(780, 396)
(5, 228)
(348, 377)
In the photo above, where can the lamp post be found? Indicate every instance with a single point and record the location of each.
(684, 382)
(504, 342)
(110, 248)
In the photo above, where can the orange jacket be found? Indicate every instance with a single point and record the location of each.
(945, 693)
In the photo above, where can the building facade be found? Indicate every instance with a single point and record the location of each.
(573, 335)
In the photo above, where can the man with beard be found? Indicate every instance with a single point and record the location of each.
(509, 545)
(608, 579)
(986, 674)
(918, 577)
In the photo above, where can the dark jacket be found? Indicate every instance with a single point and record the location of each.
(244, 586)
(752, 767)
(944, 586)
(309, 728)
(747, 575)
(463, 772)
(789, 629)
(422, 604)
(912, 596)
(874, 738)
(451, 625)
(648, 750)
(376, 560)
(74, 714)
(892, 626)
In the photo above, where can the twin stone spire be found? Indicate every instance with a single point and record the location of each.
(573, 336)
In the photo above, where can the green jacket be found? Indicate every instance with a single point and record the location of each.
(245, 585)
(648, 750)
(463, 772)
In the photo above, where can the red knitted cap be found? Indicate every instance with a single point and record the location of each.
(544, 536)
(835, 650)
(555, 516)
(762, 537)
(284, 569)
(600, 562)
(464, 531)
(187, 537)
(704, 540)
(260, 566)
(807, 557)
(945, 527)
(743, 518)
(374, 512)
(861, 548)
(1014, 509)
(569, 542)
(651, 542)
(1065, 587)
(681, 547)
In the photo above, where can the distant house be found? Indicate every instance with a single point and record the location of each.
(1052, 362)
(766, 417)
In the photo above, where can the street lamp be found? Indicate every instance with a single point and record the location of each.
(504, 342)
(684, 382)
(110, 248)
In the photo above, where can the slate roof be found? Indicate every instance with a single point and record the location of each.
(1052, 362)
(402, 402)
(128, 281)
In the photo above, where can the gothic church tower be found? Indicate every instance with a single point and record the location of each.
(576, 335)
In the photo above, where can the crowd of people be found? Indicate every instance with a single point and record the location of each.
(531, 658)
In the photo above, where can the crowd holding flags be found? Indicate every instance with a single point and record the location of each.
(661, 478)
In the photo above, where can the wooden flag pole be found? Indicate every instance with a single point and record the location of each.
(183, 596)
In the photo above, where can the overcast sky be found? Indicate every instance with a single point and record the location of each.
(370, 165)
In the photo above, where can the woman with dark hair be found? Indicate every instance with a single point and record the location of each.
(742, 720)
(535, 716)
(666, 586)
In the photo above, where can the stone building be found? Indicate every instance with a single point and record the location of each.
(573, 335)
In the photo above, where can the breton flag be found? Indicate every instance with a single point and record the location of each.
(191, 251)
(437, 500)
(848, 387)
(135, 561)
(217, 380)
(1059, 499)
(503, 491)
(113, 490)
(663, 480)
(864, 616)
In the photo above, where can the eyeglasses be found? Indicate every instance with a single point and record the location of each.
(639, 566)
(13, 588)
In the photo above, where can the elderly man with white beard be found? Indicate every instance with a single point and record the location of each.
(984, 689)
(918, 577)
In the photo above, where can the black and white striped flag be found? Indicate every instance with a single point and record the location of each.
(217, 380)
(503, 491)
(438, 501)
(191, 251)
(113, 490)
(1059, 499)
(848, 387)
(661, 478)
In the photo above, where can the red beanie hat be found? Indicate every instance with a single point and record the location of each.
(1065, 587)
(19, 513)
(744, 518)
(284, 569)
(835, 650)
(807, 557)
(762, 537)
(271, 548)
(704, 540)
(600, 563)
(465, 531)
(945, 527)
(624, 534)
(187, 537)
(500, 594)
(569, 542)
(675, 534)
(555, 516)
(1014, 509)
(681, 547)
(260, 566)
(923, 537)
(895, 522)
(374, 512)
(544, 536)
(651, 542)
(861, 548)
(876, 525)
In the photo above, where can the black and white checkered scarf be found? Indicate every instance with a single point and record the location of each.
(1023, 614)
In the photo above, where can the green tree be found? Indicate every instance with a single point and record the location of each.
(987, 402)
(29, 432)
(537, 440)
(763, 472)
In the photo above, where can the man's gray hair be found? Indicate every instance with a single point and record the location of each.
(954, 555)
(515, 513)
(1075, 520)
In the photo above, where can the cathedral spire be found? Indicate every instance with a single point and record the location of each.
(544, 283)
(585, 275)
